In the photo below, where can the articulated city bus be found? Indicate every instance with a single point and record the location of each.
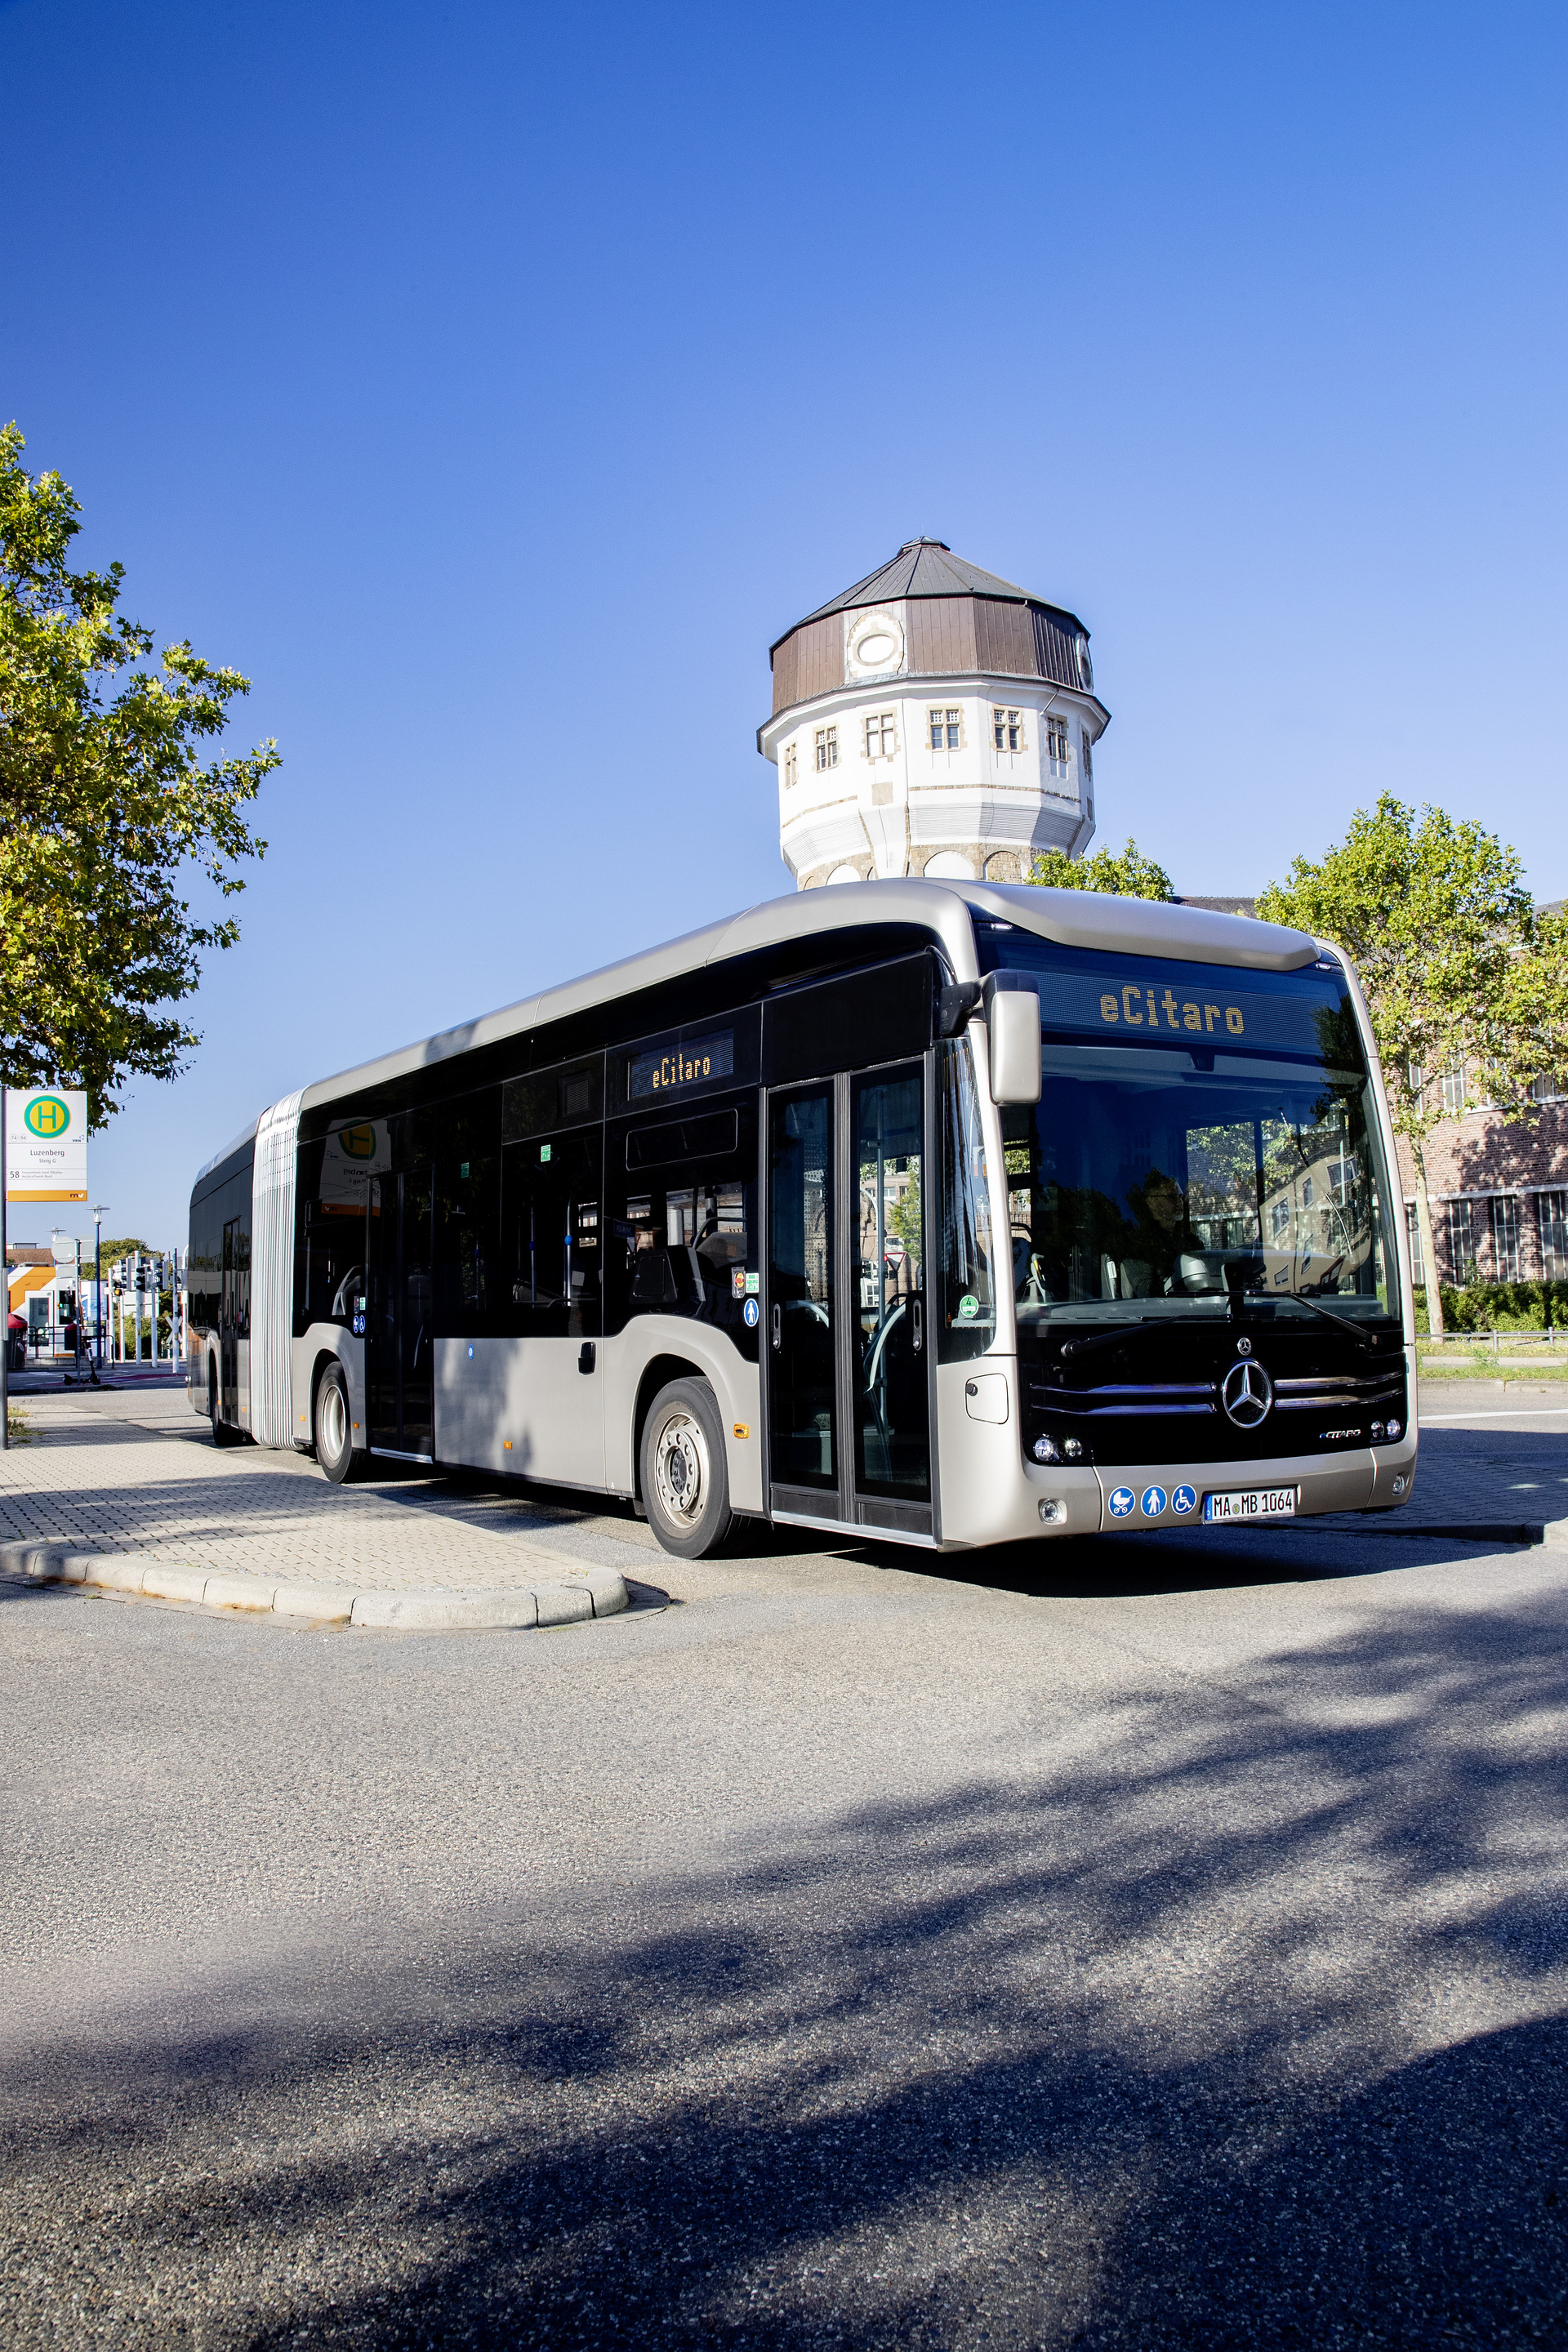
(947, 1212)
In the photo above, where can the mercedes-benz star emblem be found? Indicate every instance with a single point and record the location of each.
(1247, 1393)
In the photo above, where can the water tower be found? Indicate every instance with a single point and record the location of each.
(933, 720)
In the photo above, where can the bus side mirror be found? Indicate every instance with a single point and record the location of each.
(1012, 1021)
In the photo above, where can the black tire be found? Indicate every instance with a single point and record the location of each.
(685, 1475)
(223, 1432)
(332, 1427)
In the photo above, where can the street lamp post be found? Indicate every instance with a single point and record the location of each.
(99, 1215)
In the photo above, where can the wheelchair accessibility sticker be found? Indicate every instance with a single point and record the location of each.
(1184, 1500)
(1122, 1503)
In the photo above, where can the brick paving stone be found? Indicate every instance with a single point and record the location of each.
(119, 1471)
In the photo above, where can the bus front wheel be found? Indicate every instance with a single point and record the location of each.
(333, 1427)
(685, 1476)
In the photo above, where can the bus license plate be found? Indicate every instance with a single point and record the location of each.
(1252, 1503)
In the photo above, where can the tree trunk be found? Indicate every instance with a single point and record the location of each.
(1428, 1254)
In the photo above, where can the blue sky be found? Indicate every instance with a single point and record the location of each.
(491, 384)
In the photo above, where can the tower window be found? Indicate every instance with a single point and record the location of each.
(789, 765)
(1058, 743)
(881, 736)
(946, 730)
(1007, 729)
(826, 747)
(1088, 762)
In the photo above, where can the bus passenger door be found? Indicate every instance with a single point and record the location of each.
(801, 1354)
(847, 1373)
(889, 1370)
(399, 1341)
(229, 1324)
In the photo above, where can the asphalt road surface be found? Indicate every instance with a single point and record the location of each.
(1158, 1941)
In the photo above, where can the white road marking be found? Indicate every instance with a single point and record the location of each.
(1521, 1412)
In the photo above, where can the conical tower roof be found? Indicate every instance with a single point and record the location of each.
(923, 567)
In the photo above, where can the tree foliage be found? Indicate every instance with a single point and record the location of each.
(108, 811)
(1128, 875)
(1459, 969)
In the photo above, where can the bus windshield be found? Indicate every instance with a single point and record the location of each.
(1205, 1138)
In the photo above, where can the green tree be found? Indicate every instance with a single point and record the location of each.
(108, 811)
(1459, 969)
(1129, 875)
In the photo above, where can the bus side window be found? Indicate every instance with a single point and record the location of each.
(550, 1248)
(469, 1299)
(966, 1304)
(680, 1233)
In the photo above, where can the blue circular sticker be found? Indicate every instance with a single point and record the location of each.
(1184, 1500)
(1153, 1501)
(1122, 1503)
(751, 1311)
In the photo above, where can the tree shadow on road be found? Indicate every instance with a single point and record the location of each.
(1229, 2016)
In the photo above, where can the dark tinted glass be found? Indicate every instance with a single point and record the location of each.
(551, 1255)
(892, 1452)
(681, 1229)
(803, 1386)
(674, 1141)
(880, 1015)
(547, 1101)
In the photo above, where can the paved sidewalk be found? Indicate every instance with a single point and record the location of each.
(119, 1472)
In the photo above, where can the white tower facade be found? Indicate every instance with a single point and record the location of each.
(933, 720)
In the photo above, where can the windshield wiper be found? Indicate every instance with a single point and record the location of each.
(1316, 1307)
(1136, 1329)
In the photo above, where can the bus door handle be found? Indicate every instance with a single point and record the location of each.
(920, 1329)
(778, 1327)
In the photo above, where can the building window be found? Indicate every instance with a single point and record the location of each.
(1279, 1223)
(1058, 743)
(1461, 1241)
(1545, 1090)
(1552, 1212)
(827, 748)
(1306, 1192)
(1088, 759)
(1505, 1263)
(1418, 1263)
(1008, 728)
(1454, 1091)
(946, 730)
(881, 736)
(789, 765)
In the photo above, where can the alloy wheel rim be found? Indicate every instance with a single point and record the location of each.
(680, 1468)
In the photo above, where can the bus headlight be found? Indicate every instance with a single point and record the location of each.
(1046, 1450)
(1394, 1428)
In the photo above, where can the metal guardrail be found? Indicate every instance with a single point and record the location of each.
(1499, 1344)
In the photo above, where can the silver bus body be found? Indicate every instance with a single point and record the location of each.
(560, 1398)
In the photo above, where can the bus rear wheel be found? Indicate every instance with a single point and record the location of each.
(334, 1429)
(685, 1475)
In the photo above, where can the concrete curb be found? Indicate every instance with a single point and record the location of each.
(587, 1593)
